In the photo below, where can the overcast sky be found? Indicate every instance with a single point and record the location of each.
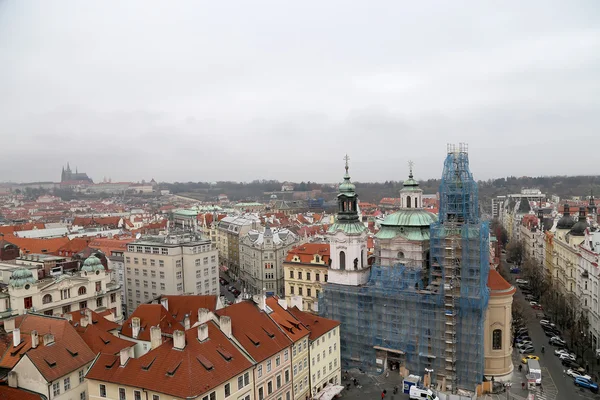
(242, 90)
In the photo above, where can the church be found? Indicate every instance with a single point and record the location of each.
(69, 176)
(425, 302)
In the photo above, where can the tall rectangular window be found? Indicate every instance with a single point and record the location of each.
(122, 394)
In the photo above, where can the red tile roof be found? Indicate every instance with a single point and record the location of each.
(98, 320)
(108, 245)
(100, 341)
(23, 227)
(38, 246)
(254, 330)
(68, 353)
(187, 373)
(498, 285)
(286, 321)
(179, 306)
(95, 221)
(151, 315)
(307, 251)
(9, 393)
(73, 246)
(318, 326)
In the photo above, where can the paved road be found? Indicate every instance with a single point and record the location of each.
(556, 386)
(224, 292)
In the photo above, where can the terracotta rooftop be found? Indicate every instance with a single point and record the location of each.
(286, 321)
(100, 341)
(179, 306)
(254, 330)
(307, 251)
(9, 393)
(66, 354)
(38, 246)
(98, 320)
(197, 369)
(498, 285)
(318, 326)
(108, 245)
(151, 315)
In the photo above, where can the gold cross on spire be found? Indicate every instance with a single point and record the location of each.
(346, 158)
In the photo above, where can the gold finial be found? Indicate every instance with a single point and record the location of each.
(346, 158)
(410, 166)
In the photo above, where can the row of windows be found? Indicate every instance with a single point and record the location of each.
(66, 293)
(303, 383)
(331, 366)
(301, 291)
(178, 274)
(270, 388)
(308, 276)
(259, 370)
(67, 384)
(319, 340)
(331, 349)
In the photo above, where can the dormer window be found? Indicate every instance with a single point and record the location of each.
(317, 258)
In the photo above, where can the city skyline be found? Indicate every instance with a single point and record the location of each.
(201, 91)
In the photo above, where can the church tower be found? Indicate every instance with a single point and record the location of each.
(348, 239)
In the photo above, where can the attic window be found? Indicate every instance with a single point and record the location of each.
(72, 353)
(271, 334)
(253, 339)
(51, 363)
(109, 366)
(147, 366)
(171, 372)
(205, 362)
(224, 353)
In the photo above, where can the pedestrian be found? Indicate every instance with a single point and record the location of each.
(523, 385)
(541, 388)
(564, 373)
(383, 394)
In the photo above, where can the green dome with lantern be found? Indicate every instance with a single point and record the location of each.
(20, 277)
(92, 264)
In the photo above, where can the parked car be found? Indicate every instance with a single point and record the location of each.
(522, 281)
(523, 344)
(558, 352)
(576, 374)
(525, 359)
(573, 365)
(555, 340)
(230, 288)
(523, 338)
(223, 281)
(515, 270)
(547, 322)
(521, 331)
(567, 356)
(236, 292)
(537, 307)
(527, 349)
(586, 383)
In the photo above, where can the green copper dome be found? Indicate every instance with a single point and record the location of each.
(410, 217)
(92, 264)
(21, 277)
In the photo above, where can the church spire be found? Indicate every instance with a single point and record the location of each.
(347, 199)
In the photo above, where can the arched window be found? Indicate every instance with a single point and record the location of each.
(497, 339)
(416, 202)
(408, 202)
(400, 255)
(82, 290)
(317, 258)
(342, 260)
(47, 299)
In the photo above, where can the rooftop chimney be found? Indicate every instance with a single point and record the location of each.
(124, 356)
(68, 317)
(225, 323)
(282, 303)
(186, 322)
(88, 313)
(202, 332)
(135, 327)
(13, 379)
(9, 325)
(203, 315)
(35, 339)
(155, 337)
(48, 339)
(84, 321)
(16, 337)
(165, 302)
(179, 340)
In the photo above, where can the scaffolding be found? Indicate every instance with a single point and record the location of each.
(427, 319)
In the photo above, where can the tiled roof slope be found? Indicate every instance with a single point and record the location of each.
(102, 342)
(179, 306)
(286, 321)
(254, 330)
(151, 315)
(318, 325)
(68, 353)
(9, 393)
(97, 320)
(38, 246)
(306, 252)
(188, 373)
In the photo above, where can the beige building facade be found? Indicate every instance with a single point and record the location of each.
(305, 271)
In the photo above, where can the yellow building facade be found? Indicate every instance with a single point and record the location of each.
(305, 273)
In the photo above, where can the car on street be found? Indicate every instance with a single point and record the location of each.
(515, 270)
(522, 282)
(575, 374)
(527, 349)
(230, 288)
(573, 365)
(223, 281)
(236, 292)
(546, 322)
(523, 344)
(557, 341)
(528, 357)
(523, 338)
(530, 297)
(566, 356)
(586, 383)
(558, 352)
(521, 331)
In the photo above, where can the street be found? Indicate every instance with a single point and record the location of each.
(224, 292)
(555, 385)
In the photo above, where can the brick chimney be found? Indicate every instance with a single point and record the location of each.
(84, 321)
(179, 340)
(203, 315)
(155, 337)
(13, 379)
(186, 322)
(35, 339)
(225, 323)
(202, 332)
(16, 337)
(88, 313)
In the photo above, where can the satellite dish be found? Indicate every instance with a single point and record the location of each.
(138, 236)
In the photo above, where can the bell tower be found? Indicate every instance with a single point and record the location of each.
(348, 238)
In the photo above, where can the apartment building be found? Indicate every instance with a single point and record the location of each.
(261, 259)
(324, 349)
(305, 272)
(230, 231)
(267, 345)
(201, 363)
(588, 279)
(91, 287)
(298, 334)
(179, 263)
(46, 355)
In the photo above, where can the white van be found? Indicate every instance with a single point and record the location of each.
(417, 393)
